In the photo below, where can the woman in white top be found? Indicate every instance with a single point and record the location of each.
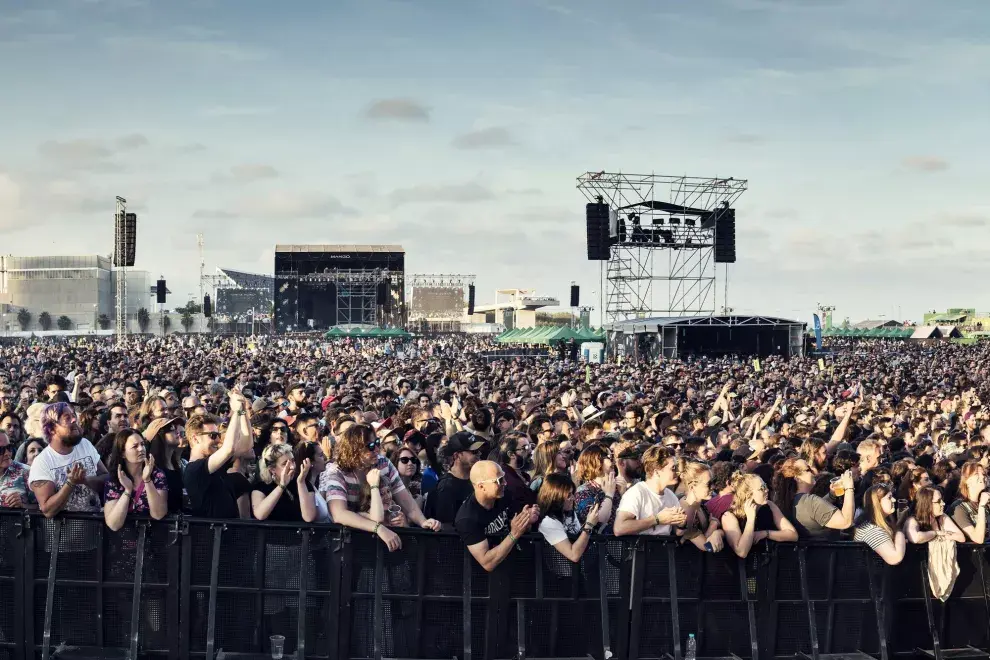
(560, 523)
(929, 521)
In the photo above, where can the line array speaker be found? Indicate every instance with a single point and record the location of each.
(207, 306)
(575, 295)
(725, 237)
(160, 291)
(125, 238)
(470, 299)
(598, 239)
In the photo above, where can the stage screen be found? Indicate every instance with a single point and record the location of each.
(437, 302)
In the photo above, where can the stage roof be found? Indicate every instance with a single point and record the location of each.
(249, 280)
(634, 326)
(339, 248)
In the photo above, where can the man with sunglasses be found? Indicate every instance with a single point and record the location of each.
(214, 492)
(462, 451)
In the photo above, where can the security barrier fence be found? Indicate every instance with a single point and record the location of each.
(192, 588)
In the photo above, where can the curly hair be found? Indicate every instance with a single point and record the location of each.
(269, 460)
(591, 463)
(352, 447)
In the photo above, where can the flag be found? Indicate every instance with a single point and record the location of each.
(587, 374)
(818, 333)
(756, 365)
(821, 364)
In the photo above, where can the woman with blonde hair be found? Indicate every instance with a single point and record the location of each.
(700, 529)
(877, 527)
(752, 517)
(560, 526)
(276, 496)
(549, 457)
(969, 511)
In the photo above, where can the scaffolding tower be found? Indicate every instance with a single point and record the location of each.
(662, 255)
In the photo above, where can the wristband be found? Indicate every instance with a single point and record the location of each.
(587, 530)
(126, 494)
(513, 538)
(377, 527)
(657, 519)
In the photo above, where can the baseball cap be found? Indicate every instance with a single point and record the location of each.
(464, 441)
(261, 405)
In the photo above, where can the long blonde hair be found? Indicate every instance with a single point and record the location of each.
(745, 486)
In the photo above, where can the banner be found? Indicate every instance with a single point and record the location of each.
(818, 333)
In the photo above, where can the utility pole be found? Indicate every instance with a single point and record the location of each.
(202, 266)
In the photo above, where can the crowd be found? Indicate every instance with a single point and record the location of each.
(886, 443)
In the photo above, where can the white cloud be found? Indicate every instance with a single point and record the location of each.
(449, 193)
(399, 109)
(925, 163)
(486, 138)
(246, 173)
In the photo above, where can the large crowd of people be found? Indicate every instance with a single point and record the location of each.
(882, 442)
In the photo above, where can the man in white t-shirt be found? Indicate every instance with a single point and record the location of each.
(68, 475)
(650, 507)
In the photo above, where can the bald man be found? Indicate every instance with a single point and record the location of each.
(487, 513)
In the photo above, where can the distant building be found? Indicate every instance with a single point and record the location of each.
(81, 287)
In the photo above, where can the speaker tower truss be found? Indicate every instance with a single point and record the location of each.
(662, 258)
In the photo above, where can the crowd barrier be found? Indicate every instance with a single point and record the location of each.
(192, 588)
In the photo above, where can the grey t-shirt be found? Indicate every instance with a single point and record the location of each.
(811, 514)
(964, 514)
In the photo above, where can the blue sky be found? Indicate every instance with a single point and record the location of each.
(458, 128)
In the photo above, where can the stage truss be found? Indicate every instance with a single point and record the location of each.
(356, 292)
(666, 264)
(424, 286)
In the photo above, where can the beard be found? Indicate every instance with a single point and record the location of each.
(74, 438)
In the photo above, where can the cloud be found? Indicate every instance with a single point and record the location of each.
(967, 221)
(201, 51)
(215, 111)
(746, 138)
(486, 138)
(246, 173)
(10, 201)
(398, 110)
(280, 205)
(130, 142)
(925, 163)
(214, 214)
(90, 154)
(460, 193)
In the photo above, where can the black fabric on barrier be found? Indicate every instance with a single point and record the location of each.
(636, 598)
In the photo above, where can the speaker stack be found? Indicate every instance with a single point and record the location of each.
(725, 237)
(598, 239)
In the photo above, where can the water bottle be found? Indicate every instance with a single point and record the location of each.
(692, 648)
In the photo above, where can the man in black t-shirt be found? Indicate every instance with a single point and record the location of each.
(213, 492)
(455, 487)
(488, 514)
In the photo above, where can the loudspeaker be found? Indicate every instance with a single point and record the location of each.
(160, 291)
(125, 238)
(470, 299)
(382, 294)
(575, 295)
(598, 238)
(725, 236)
(207, 306)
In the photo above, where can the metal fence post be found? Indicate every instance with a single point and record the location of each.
(50, 595)
(303, 575)
(211, 620)
(136, 595)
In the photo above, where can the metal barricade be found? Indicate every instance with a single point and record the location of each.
(192, 588)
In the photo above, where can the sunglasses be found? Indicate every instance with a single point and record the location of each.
(500, 481)
(406, 460)
(6, 449)
(373, 446)
(280, 429)
(214, 435)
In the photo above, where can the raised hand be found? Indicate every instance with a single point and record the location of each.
(124, 480)
(149, 469)
(304, 470)
(77, 474)
(285, 475)
(594, 515)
